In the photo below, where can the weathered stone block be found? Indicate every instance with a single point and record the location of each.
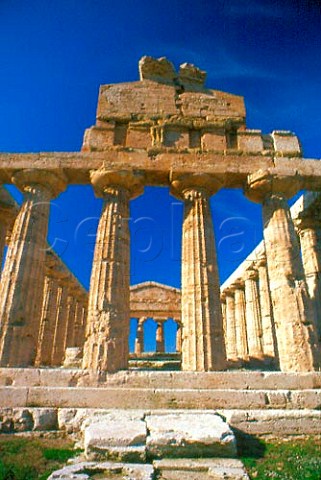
(22, 420)
(250, 140)
(119, 435)
(201, 469)
(45, 419)
(189, 435)
(156, 69)
(176, 137)
(214, 140)
(117, 471)
(98, 138)
(276, 423)
(286, 143)
(138, 137)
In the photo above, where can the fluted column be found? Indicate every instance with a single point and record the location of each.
(230, 326)
(240, 320)
(203, 346)
(267, 320)
(22, 282)
(298, 346)
(71, 318)
(47, 324)
(106, 347)
(80, 321)
(160, 339)
(139, 341)
(8, 212)
(253, 315)
(309, 229)
(61, 322)
(178, 338)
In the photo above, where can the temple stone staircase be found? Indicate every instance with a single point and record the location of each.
(261, 403)
(150, 425)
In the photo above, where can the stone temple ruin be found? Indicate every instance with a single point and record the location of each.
(250, 349)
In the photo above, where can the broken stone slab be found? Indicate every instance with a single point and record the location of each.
(106, 470)
(73, 357)
(189, 435)
(200, 469)
(190, 75)
(118, 435)
(156, 69)
(45, 419)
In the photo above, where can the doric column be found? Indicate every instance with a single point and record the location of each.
(139, 341)
(71, 317)
(309, 229)
(230, 325)
(179, 338)
(160, 339)
(8, 212)
(223, 308)
(298, 346)
(61, 322)
(80, 321)
(106, 347)
(22, 283)
(268, 328)
(240, 320)
(203, 346)
(253, 315)
(48, 320)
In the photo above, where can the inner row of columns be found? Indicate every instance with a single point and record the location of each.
(107, 330)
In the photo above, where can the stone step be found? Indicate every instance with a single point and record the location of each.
(275, 423)
(182, 469)
(138, 436)
(244, 380)
(161, 398)
(201, 469)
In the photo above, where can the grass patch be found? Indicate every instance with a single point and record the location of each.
(32, 459)
(298, 459)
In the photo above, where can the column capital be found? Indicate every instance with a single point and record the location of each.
(311, 220)
(263, 183)
(228, 292)
(261, 261)
(191, 185)
(8, 207)
(104, 181)
(52, 182)
(238, 284)
(250, 274)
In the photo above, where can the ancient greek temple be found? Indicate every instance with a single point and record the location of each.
(167, 129)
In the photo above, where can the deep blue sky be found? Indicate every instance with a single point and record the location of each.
(54, 54)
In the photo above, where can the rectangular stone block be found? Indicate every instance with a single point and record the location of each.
(201, 469)
(286, 143)
(189, 435)
(119, 435)
(213, 140)
(98, 138)
(275, 422)
(13, 397)
(138, 137)
(19, 376)
(176, 137)
(250, 140)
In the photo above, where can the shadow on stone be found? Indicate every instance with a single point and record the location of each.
(248, 446)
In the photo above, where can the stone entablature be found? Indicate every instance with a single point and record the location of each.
(155, 300)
